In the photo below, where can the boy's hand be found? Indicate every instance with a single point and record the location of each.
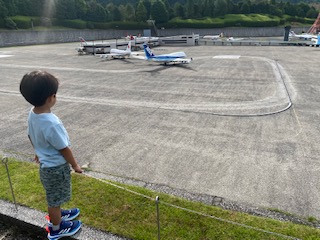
(77, 169)
(36, 159)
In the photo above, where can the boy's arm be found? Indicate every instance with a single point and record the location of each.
(36, 159)
(68, 156)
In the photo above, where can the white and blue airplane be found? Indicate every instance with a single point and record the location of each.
(175, 57)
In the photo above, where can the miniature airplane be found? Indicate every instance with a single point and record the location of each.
(304, 36)
(213, 37)
(175, 57)
(117, 53)
(316, 41)
(231, 39)
(81, 49)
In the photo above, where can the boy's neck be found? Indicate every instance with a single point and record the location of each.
(41, 109)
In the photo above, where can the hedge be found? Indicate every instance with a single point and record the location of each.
(22, 22)
(76, 23)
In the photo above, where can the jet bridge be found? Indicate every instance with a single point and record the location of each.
(104, 46)
(186, 40)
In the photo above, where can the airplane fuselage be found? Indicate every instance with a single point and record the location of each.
(175, 57)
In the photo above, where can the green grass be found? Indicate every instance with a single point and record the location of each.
(111, 208)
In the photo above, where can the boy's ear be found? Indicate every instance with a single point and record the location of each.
(51, 98)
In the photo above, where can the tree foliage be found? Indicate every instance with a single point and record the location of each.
(161, 11)
(141, 12)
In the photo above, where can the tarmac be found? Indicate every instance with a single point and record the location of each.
(239, 122)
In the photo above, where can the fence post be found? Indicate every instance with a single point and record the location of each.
(5, 162)
(158, 216)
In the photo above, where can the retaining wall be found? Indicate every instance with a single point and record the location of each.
(21, 37)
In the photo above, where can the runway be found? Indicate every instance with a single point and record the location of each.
(238, 122)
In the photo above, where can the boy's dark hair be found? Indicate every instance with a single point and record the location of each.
(37, 86)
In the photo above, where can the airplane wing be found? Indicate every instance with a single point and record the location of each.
(173, 60)
(182, 60)
(113, 55)
(174, 54)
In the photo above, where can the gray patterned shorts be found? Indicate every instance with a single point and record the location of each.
(57, 184)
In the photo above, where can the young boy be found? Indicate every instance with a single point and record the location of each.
(51, 144)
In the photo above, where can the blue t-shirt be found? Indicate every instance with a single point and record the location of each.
(48, 136)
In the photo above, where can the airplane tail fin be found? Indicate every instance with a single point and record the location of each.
(82, 40)
(129, 47)
(148, 51)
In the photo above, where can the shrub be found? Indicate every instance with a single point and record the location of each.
(9, 23)
(127, 25)
(194, 23)
(22, 22)
(101, 25)
(75, 23)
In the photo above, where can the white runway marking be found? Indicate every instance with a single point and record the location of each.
(69, 69)
(227, 57)
(5, 56)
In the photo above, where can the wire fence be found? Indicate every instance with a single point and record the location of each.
(158, 202)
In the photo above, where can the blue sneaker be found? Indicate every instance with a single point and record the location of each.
(67, 228)
(67, 215)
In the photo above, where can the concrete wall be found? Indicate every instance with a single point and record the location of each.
(13, 38)
(232, 32)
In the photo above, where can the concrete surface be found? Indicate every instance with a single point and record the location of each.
(239, 122)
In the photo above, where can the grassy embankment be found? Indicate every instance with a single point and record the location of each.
(113, 209)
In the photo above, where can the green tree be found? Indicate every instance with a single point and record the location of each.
(169, 8)
(81, 8)
(312, 13)
(11, 7)
(276, 11)
(190, 9)
(260, 7)
(304, 7)
(66, 9)
(179, 10)
(117, 15)
(244, 7)
(29, 7)
(159, 12)
(300, 12)
(290, 9)
(110, 9)
(141, 12)
(208, 8)
(3, 10)
(220, 7)
(96, 12)
(129, 13)
(122, 10)
(197, 11)
(147, 4)
(230, 6)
